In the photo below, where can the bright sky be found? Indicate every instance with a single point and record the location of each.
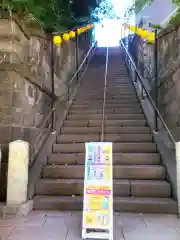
(112, 32)
(121, 5)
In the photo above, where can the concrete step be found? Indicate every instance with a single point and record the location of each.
(107, 130)
(111, 87)
(108, 101)
(121, 204)
(94, 123)
(95, 105)
(69, 187)
(74, 138)
(117, 148)
(136, 188)
(119, 91)
(150, 188)
(110, 110)
(110, 91)
(114, 84)
(121, 159)
(98, 94)
(101, 98)
(145, 172)
(107, 116)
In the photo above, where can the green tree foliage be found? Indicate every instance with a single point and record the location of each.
(175, 20)
(50, 14)
(105, 10)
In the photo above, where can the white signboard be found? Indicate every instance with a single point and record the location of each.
(98, 192)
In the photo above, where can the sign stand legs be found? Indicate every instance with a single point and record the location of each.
(97, 235)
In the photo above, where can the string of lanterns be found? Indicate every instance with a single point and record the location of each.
(149, 36)
(58, 39)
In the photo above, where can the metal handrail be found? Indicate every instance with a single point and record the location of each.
(78, 70)
(47, 118)
(4, 56)
(147, 93)
(104, 98)
(44, 123)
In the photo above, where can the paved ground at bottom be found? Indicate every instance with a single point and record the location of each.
(53, 225)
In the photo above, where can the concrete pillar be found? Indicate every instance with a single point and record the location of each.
(18, 165)
(178, 174)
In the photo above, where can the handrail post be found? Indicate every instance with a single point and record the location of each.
(52, 85)
(77, 54)
(156, 80)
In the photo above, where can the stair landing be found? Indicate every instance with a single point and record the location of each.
(67, 226)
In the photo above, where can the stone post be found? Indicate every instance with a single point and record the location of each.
(0, 159)
(18, 164)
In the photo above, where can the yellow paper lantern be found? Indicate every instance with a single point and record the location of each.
(78, 31)
(66, 36)
(82, 29)
(139, 32)
(145, 34)
(57, 40)
(132, 28)
(151, 37)
(72, 34)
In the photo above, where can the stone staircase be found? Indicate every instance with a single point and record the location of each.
(140, 183)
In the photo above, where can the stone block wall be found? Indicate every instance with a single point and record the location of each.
(169, 80)
(169, 75)
(21, 102)
(27, 65)
(168, 95)
(28, 61)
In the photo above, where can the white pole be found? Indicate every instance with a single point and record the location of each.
(178, 175)
(18, 166)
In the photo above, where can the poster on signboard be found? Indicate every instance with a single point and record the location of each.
(98, 163)
(98, 191)
(98, 207)
(98, 173)
(98, 153)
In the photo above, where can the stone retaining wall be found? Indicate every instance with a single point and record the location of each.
(27, 65)
(169, 75)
